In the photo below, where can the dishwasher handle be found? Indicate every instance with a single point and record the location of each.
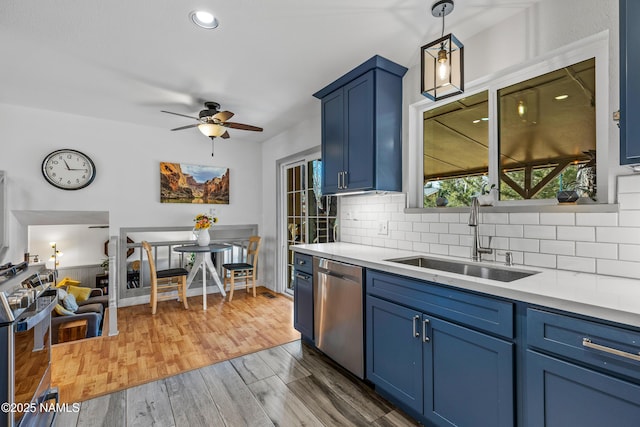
(339, 276)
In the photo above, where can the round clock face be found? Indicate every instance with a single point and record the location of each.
(68, 169)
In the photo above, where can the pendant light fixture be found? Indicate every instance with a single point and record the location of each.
(442, 60)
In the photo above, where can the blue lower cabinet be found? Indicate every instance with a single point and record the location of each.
(560, 393)
(447, 374)
(303, 303)
(394, 352)
(468, 376)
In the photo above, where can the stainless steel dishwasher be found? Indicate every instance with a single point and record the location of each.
(338, 313)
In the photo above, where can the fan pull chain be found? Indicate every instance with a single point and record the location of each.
(212, 139)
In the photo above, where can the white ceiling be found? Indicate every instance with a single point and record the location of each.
(126, 60)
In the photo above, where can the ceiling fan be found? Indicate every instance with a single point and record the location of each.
(213, 123)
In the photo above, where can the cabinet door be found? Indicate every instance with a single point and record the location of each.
(468, 377)
(360, 124)
(333, 138)
(303, 304)
(629, 83)
(563, 394)
(394, 351)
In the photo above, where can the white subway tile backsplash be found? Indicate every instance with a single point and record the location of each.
(524, 218)
(597, 219)
(429, 237)
(629, 184)
(377, 241)
(619, 235)
(557, 218)
(421, 247)
(524, 245)
(557, 247)
(439, 227)
(439, 249)
(459, 229)
(618, 268)
(397, 235)
(539, 232)
(405, 226)
(496, 242)
(430, 217)
(398, 216)
(494, 218)
(414, 217)
(585, 265)
(629, 252)
(509, 230)
(421, 227)
(405, 245)
(367, 241)
(597, 250)
(449, 239)
(460, 251)
(629, 201)
(629, 218)
(449, 217)
(467, 240)
(540, 260)
(390, 243)
(483, 229)
(392, 207)
(579, 234)
(412, 236)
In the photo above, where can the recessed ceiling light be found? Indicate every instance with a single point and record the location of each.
(561, 97)
(204, 19)
(484, 119)
(476, 121)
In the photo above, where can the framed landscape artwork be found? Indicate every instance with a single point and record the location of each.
(181, 183)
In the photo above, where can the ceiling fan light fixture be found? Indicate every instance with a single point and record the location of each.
(204, 19)
(211, 129)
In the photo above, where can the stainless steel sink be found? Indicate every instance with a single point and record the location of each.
(468, 269)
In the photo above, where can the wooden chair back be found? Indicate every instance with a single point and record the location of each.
(253, 249)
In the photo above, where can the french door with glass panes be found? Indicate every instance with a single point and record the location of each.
(309, 217)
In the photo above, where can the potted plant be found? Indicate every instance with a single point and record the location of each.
(105, 265)
(487, 197)
(442, 200)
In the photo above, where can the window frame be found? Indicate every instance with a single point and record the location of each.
(596, 46)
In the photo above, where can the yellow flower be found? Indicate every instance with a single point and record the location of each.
(204, 221)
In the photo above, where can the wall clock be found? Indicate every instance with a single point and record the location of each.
(68, 169)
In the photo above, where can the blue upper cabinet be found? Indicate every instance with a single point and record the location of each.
(362, 129)
(629, 82)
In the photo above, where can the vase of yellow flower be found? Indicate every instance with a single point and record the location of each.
(201, 229)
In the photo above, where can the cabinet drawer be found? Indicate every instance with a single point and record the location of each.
(483, 313)
(302, 262)
(612, 348)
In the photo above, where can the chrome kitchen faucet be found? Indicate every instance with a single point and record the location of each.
(477, 249)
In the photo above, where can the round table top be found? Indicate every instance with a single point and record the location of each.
(213, 247)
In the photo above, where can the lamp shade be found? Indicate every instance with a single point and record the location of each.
(211, 129)
(442, 68)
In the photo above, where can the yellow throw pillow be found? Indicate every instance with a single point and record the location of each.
(61, 311)
(81, 293)
(67, 281)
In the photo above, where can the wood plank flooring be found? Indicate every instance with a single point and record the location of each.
(288, 385)
(173, 341)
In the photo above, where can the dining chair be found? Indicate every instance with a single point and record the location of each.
(162, 281)
(243, 271)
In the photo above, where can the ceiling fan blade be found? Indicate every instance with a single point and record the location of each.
(225, 135)
(181, 115)
(186, 127)
(241, 126)
(223, 116)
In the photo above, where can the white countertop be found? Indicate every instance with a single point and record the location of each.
(604, 297)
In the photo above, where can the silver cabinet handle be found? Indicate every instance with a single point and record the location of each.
(425, 337)
(344, 180)
(339, 180)
(302, 276)
(415, 332)
(587, 343)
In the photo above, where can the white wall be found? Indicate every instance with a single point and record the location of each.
(79, 244)
(302, 137)
(127, 158)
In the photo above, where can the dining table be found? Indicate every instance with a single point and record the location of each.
(203, 262)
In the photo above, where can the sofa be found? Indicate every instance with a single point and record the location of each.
(90, 309)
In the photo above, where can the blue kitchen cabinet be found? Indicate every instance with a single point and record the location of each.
(362, 129)
(629, 82)
(303, 295)
(441, 372)
(394, 351)
(581, 372)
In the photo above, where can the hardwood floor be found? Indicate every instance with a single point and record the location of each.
(173, 341)
(287, 385)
